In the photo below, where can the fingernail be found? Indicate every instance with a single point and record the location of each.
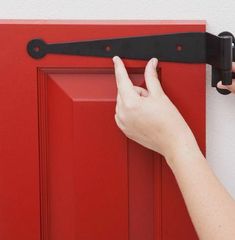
(114, 59)
(154, 62)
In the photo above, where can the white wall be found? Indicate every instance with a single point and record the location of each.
(219, 15)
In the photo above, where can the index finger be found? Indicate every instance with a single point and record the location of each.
(124, 84)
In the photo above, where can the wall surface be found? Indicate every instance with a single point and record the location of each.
(219, 16)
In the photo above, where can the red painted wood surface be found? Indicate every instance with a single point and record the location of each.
(66, 170)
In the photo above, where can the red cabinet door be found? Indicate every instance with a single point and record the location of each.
(66, 170)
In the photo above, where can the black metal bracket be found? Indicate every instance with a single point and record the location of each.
(188, 47)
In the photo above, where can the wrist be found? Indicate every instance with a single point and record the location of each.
(185, 150)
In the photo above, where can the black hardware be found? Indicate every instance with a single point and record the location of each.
(188, 47)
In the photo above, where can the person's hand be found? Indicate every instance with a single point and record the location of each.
(148, 116)
(231, 87)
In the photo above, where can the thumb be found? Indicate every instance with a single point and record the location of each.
(151, 78)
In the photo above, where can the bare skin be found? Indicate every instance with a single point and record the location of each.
(151, 119)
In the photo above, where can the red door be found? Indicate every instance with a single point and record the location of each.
(66, 170)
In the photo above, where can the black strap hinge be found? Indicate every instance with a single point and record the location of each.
(189, 47)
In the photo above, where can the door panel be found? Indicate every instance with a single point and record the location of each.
(89, 163)
(94, 151)
(69, 172)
